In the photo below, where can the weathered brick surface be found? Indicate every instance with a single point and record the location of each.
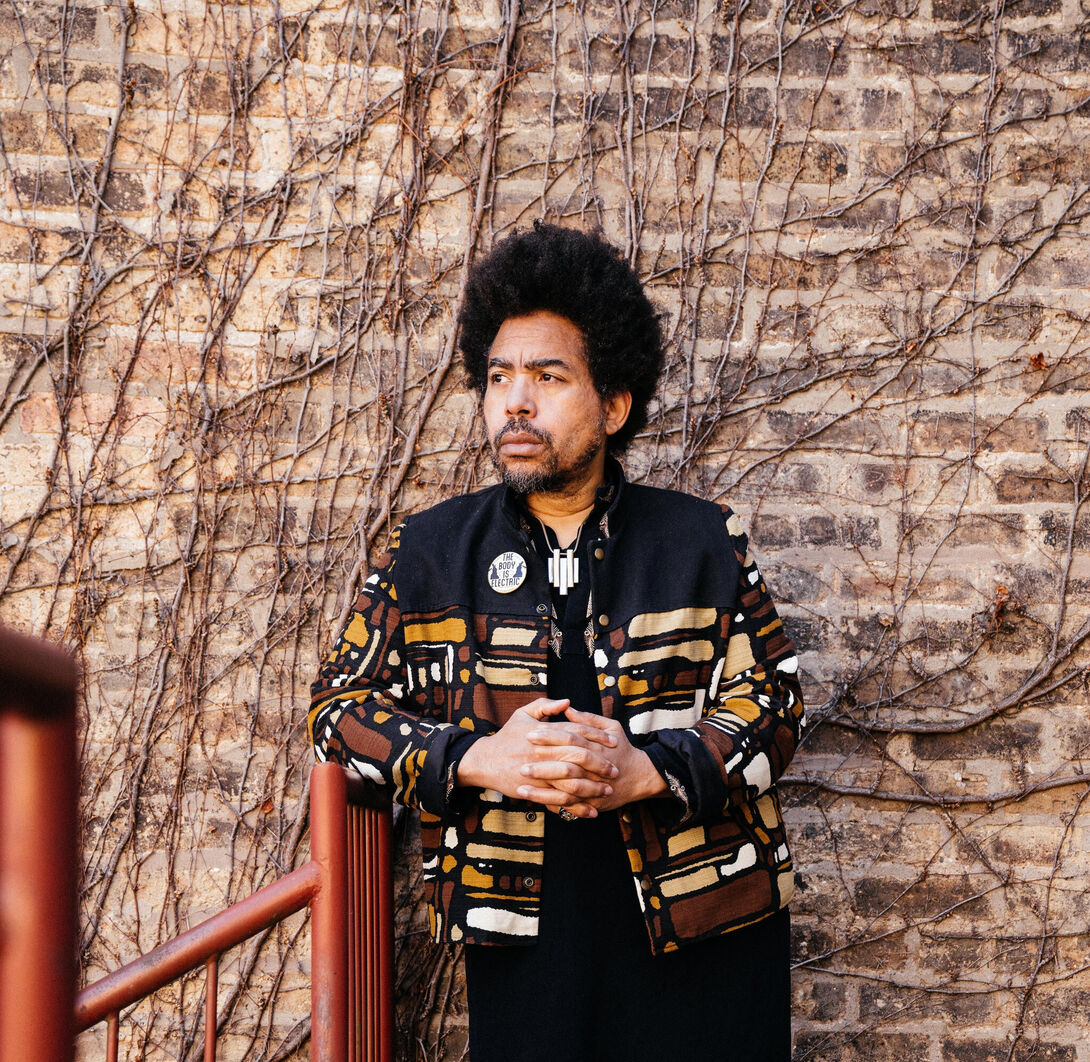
(227, 273)
(873, 1047)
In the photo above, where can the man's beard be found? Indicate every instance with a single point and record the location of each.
(548, 477)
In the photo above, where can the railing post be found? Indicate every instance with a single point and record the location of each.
(384, 842)
(329, 915)
(39, 789)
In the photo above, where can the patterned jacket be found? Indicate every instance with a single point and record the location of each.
(691, 658)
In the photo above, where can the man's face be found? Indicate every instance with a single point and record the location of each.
(546, 423)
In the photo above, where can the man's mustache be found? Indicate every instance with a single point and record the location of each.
(520, 426)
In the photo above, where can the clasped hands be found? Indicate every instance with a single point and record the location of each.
(579, 761)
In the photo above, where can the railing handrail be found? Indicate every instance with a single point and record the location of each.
(168, 961)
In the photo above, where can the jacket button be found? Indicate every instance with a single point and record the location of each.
(599, 554)
(625, 817)
(531, 816)
(603, 620)
(645, 883)
(542, 609)
(533, 680)
(528, 883)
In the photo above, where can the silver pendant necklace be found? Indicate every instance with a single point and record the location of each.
(563, 563)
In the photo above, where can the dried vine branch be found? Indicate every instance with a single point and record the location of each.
(232, 245)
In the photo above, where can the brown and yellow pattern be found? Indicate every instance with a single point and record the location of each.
(704, 679)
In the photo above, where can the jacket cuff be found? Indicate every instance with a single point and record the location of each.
(437, 792)
(692, 775)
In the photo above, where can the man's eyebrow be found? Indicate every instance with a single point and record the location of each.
(543, 362)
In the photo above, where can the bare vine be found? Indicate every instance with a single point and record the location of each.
(232, 244)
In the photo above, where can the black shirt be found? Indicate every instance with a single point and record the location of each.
(585, 859)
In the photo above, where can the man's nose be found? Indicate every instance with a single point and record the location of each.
(520, 400)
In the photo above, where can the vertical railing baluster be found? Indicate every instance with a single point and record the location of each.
(363, 1003)
(211, 987)
(382, 843)
(366, 914)
(362, 900)
(353, 943)
(111, 1038)
(374, 819)
(363, 1010)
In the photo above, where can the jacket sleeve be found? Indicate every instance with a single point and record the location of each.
(745, 741)
(359, 716)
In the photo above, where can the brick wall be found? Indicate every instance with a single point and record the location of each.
(231, 240)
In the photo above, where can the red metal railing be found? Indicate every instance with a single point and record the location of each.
(38, 795)
(348, 885)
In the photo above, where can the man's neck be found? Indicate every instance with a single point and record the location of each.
(564, 522)
(564, 511)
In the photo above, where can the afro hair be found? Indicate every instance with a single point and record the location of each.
(580, 276)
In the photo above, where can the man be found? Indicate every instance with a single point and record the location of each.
(583, 686)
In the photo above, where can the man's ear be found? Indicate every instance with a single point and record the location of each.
(617, 408)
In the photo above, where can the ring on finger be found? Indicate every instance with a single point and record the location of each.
(566, 815)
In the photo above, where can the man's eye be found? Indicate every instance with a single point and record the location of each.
(547, 376)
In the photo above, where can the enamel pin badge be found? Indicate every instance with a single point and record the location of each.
(506, 573)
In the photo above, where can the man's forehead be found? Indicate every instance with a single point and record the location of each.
(537, 336)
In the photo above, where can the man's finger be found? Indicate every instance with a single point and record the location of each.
(564, 790)
(588, 760)
(545, 708)
(550, 770)
(554, 799)
(556, 735)
(579, 811)
(590, 719)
